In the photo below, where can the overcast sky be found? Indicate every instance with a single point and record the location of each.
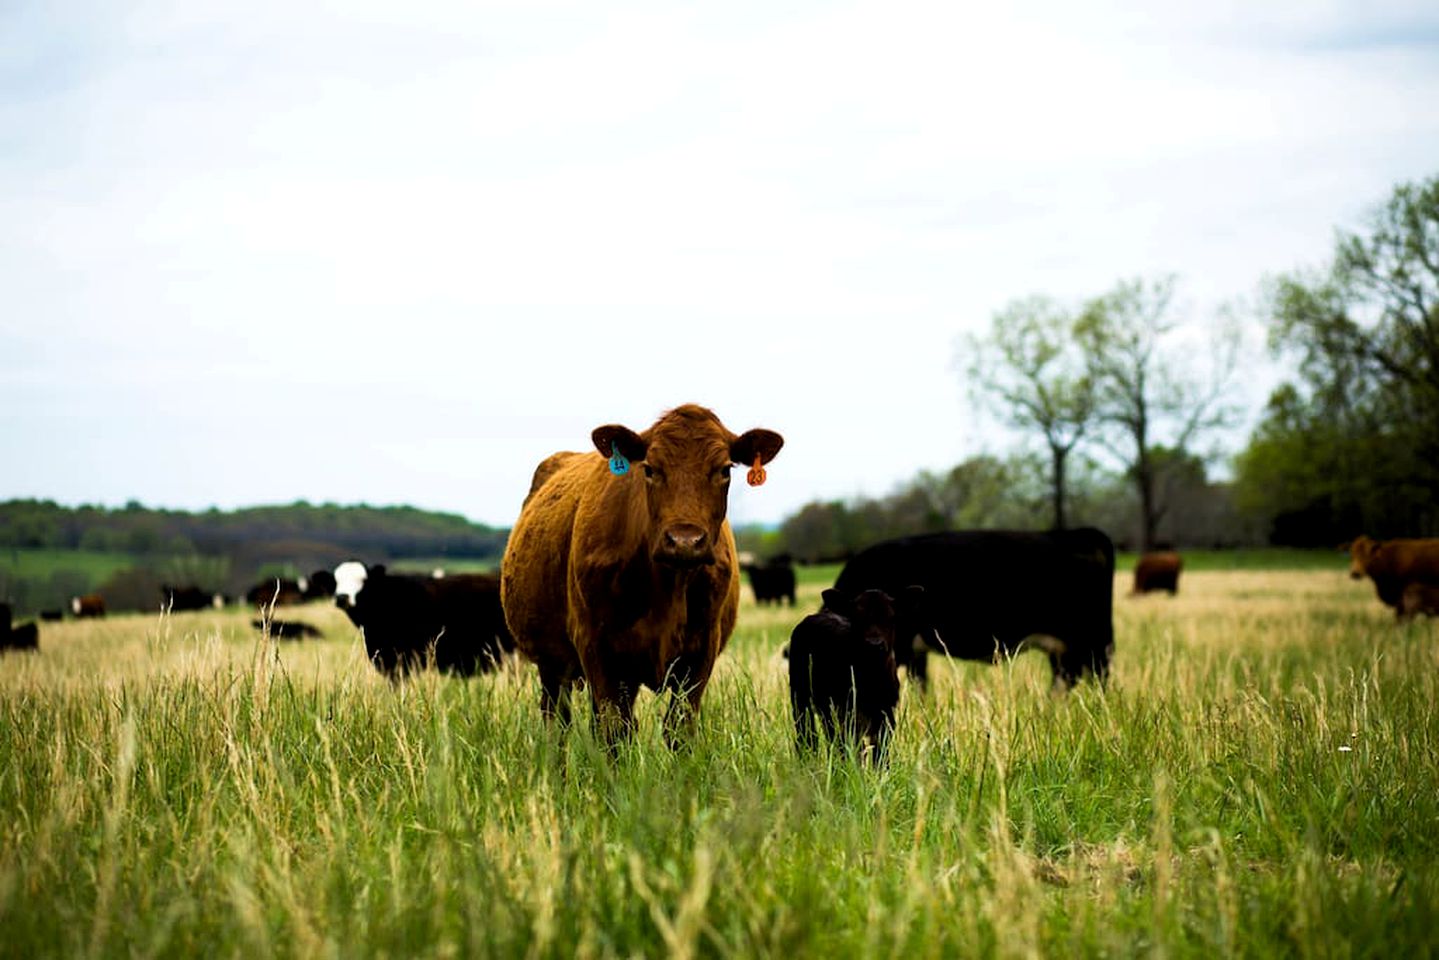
(398, 253)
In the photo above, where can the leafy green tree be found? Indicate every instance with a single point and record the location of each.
(1148, 392)
(1366, 335)
(1028, 370)
(1353, 445)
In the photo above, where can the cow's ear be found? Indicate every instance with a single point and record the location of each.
(611, 436)
(755, 443)
(912, 598)
(834, 600)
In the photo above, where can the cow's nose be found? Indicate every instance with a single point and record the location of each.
(685, 539)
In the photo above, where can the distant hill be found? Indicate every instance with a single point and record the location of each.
(360, 530)
(50, 552)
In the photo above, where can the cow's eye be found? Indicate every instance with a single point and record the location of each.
(722, 474)
(650, 472)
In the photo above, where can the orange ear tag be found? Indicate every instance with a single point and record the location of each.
(755, 477)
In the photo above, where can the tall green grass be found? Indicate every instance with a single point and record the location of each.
(1261, 777)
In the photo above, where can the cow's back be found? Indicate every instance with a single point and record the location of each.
(537, 556)
(469, 607)
(1413, 560)
(984, 587)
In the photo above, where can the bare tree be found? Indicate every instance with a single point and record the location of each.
(1144, 393)
(1028, 370)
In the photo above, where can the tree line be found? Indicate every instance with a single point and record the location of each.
(135, 529)
(1117, 396)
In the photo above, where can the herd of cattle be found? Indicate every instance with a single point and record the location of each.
(621, 573)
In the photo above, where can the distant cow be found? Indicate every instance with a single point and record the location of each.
(190, 597)
(275, 591)
(286, 629)
(623, 573)
(772, 582)
(1158, 570)
(1420, 598)
(321, 586)
(54, 616)
(1394, 565)
(990, 593)
(90, 605)
(24, 637)
(410, 620)
(842, 671)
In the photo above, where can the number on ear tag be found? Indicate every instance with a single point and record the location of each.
(755, 477)
(619, 466)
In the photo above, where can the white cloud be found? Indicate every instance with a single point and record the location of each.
(492, 228)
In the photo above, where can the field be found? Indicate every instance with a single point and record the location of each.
(1260, 778)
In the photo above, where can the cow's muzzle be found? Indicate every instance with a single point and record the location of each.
(685, 545)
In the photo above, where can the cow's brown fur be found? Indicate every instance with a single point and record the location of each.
(630, 581)
(1158, 571)
(1420, 598)
(1394, 565)
(89, 605)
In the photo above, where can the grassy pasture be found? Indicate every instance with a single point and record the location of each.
(1260, 778)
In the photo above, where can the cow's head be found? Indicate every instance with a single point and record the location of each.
(1361, 552)
(350, 579)
(681, 470)
(876, 618)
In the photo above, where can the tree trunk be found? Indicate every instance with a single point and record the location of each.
(1148, 512)
(1057, 479)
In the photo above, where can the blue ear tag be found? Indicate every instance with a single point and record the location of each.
(619, 466)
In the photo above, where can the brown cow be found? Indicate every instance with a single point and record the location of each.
(277, 592)
(90, 605)
(1158, 571)
(1420, 598)
(626, 577)
(1393, 565)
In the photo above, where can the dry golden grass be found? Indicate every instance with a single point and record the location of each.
(1261, 776)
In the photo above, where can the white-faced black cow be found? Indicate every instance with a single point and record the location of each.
(994, 592)
(410, 621)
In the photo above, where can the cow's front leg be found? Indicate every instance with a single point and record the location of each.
(686, 679)
(555, 696)
(613, 698)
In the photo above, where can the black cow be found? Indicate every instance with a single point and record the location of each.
(191, 597)
(842, 671)
(54, 616)
(994, 592)
(286, 629)
(321, 586)
(410, 620)
(24, 637)
(772, 581)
